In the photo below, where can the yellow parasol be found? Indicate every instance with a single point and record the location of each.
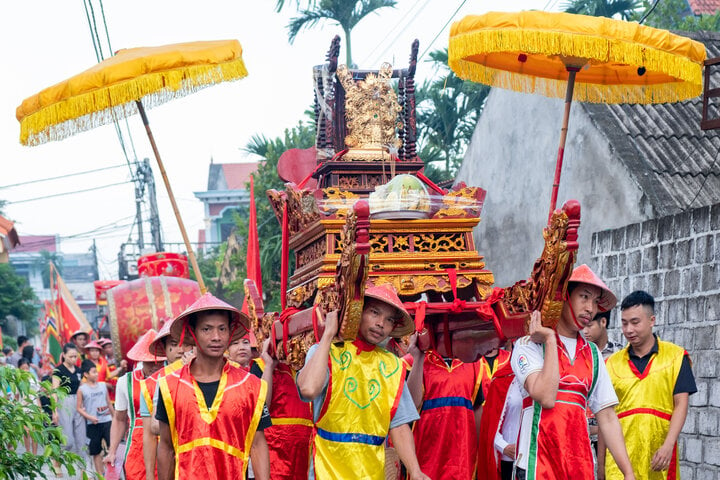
(590, 59)
(124, 85)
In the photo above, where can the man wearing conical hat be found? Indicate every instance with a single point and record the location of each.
(561, 375)
(176, 356)
(358, 394)
(127, 407)
(211, 411)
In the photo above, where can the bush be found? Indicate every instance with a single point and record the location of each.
(26, 416)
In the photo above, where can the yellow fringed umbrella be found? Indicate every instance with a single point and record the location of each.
(124, 85)
(589, 59)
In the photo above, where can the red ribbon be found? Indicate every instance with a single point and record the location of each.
(284, 318)
(430, 183)
(420, 316)
(316, 330)
(285, 260)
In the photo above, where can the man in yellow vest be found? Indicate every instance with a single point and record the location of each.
(653, 380)
(359, 396)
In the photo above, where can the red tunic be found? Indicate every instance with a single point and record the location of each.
(491, 422)
(502, 359)
(559, 443)
(213, 442)
(134, 464)
(445, 436)
(290, 436)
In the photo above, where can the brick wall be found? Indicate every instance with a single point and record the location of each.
(677, 260)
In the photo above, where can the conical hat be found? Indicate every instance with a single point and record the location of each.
(239, 322)
(386, 293)
(157, 347)
(93, 344)
(583, 274)
(79, 332)
(140, 352)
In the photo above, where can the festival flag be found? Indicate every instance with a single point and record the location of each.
(51, 342)
(72, 318)
(254, 272)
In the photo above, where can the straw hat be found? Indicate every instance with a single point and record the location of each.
(239, 322)
(386, 293)
(583, 274)
(140, 352)
(79, 332)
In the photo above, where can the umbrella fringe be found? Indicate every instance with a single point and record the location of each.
(111, 103)
(583, 92)
(466, 62)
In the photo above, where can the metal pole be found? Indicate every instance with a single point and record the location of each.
(183, 232)
(572, 71)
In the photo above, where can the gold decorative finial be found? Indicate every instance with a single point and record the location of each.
(371, 109)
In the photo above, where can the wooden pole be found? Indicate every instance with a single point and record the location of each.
(572, 71)
(183, 232)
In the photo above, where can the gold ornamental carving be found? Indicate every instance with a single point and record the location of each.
(460, 203)
(339, 201)
(372, 113)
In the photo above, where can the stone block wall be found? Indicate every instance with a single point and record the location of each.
(677, 260)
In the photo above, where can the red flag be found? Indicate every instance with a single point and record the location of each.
(71, 316)
(253, 247)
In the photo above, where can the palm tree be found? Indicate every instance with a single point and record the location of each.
(604, 8)
(346, 13)
(448, 110)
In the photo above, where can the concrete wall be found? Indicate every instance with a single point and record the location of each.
(512, 156)
(677, 260)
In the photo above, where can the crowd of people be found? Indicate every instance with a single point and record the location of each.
(204, 400)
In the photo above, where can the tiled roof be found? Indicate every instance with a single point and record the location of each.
(676, 164)
(36, 243)
(707, 7)
(230, 176)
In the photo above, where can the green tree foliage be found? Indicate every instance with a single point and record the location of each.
(448, 109)
(269, 229)
(676, 15)
(42, 264)
(624, 9)
(20, 415)
(346, 13)
(16, 298)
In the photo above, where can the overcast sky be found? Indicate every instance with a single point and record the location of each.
(47, 41)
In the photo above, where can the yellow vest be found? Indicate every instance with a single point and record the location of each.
(363, 393)
(645, 408)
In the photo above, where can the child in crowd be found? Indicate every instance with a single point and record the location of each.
(93, 403)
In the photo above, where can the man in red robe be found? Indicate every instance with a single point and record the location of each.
(449, 396)
(211, 411)
(561, 374)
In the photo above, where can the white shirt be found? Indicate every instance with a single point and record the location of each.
(512, 410)
(122, 401)
(527, 358)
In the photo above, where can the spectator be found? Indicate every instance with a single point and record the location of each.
(30, 444)
(596, 332)
(22, 342)
(69, 376)
(93, 403)
(28, 353)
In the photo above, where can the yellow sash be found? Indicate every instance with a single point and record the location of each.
(645, 408)
(363, 392)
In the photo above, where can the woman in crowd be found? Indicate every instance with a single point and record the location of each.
(68, 375)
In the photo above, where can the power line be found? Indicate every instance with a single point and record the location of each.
(69, 193)
(379, 57)
(61, 176)
(390, 32)
(442, 29)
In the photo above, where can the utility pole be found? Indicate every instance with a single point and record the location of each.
(152, 200)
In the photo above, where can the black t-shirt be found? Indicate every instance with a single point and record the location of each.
(685, 382)
(209, 390)
(68, 379)
(490, 360)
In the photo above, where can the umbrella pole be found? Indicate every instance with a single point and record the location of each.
(572, 71)
(183, 232)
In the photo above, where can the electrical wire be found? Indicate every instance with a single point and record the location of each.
(61, 176)
(68, 193)
(647, 14)
(442, 29)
